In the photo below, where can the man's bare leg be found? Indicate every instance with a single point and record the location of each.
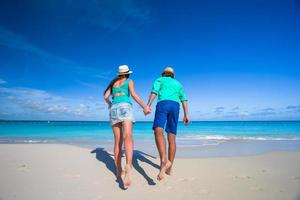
(171, 151)
(161, 146)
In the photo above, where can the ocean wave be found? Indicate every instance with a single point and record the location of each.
(35, 141)
(200, 144)
(24, 141)
(226, 138)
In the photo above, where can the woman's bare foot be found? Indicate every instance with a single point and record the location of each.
(169, 171)
(127, 178)
(163, 168)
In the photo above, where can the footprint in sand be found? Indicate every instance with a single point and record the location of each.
(242, 177)
(183, 179)
(23, 168)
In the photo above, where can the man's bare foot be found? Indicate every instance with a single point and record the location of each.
(127, 178)
(169, 171)
(163, 169)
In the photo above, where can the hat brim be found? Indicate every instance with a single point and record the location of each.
(168, 72)
(124, 73)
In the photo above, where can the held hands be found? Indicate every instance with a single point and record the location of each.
(147, 110)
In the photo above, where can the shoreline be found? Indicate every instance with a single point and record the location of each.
(107, 121)
(196, 149)
(60, 171)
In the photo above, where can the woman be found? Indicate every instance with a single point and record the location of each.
(121, 118)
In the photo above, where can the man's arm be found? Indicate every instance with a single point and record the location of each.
(186, 119)
(151, 99)
(154, 91)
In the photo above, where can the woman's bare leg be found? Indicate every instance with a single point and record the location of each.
(117, 129)
(128, 143)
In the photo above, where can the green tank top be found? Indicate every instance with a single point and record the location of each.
(124, 98)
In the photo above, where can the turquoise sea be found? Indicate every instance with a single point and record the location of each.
(207, 138)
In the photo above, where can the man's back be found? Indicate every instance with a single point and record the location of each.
(168, 88)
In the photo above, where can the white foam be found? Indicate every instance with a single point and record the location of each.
(226, 138)
(31, 141)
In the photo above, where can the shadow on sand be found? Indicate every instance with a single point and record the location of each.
(141, 156)
(103, 156)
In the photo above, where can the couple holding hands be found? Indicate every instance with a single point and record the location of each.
(170, 93)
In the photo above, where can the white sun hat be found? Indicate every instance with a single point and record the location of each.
(124, 69)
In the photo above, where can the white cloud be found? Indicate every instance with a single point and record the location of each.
(32, 102)
(239, 113)
(219, 110)
(2, 81)
(293, 108)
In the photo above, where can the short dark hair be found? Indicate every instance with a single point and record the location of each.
(167, 74)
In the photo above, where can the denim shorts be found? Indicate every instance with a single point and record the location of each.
(166, 116)
(121, 112)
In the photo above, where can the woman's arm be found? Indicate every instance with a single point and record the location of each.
(106, 98)
(137, 98)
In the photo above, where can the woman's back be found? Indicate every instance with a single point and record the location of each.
(119, 83)
(120, 92)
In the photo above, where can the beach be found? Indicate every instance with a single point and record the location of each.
(214, 85)
(60, 171)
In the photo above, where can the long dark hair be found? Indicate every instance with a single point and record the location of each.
(109, 87)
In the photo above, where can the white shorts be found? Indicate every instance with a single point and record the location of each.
(121, 112)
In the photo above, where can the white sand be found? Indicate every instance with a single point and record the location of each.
(50, 171)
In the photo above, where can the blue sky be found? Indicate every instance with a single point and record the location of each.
(237, 60)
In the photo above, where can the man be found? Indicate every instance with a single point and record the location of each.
(170, 93)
